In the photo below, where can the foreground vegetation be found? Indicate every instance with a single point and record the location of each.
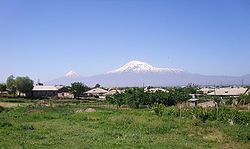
(66, 125)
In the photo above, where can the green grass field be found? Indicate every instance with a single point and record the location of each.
(59, 126)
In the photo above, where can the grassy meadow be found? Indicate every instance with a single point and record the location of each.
(58, 125)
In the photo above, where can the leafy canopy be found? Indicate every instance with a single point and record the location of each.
(24, 84)
(78, 88)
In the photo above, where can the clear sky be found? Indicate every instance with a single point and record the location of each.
(46, 38)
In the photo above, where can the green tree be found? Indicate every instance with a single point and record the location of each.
(11, 84)
(117, 98)
(110, 99)
(158, 97)
(191, 88)
(3, 87)
(78, 88)
(244, 99)
(179, 95)
(135, 97)
(24, 85)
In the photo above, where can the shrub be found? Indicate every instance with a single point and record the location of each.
(158, 109)
(229, 101)
(223, 114)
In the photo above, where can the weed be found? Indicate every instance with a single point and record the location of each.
(27, 127)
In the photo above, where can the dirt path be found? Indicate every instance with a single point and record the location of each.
(9, 104)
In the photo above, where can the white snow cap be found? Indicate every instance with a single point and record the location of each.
(138, 66)
(72, 74)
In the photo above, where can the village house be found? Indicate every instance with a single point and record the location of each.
(229, 91)
(155, 89)
(193, 101)
(41, 91)
(113, 91)
(206, 90)
(97, 92)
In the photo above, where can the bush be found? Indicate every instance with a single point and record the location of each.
(229, 101)
(224, 114)
(158, 109)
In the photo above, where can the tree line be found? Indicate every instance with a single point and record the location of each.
(135, 97)
(17, 85)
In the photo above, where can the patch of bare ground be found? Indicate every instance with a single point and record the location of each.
(8, 104)
(35, 111)
(214, 135)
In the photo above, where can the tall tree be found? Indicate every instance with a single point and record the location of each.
(11, 84)
(24, 85)
(135, 97)
(78, 88)
(117, 98)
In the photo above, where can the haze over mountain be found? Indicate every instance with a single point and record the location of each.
(137, 73)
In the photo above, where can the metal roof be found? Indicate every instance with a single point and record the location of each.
(46, 88)
(229, 91)
(97, 91)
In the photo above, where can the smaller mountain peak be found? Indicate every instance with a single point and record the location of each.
(72, 74)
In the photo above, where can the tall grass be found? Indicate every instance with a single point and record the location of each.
(60, 126)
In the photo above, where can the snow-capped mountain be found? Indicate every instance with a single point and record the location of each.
(136, 73)
(138, 67)
(72, 74)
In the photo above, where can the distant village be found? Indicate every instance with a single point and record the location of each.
(203, 95)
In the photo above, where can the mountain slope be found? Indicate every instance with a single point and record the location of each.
(136, 73)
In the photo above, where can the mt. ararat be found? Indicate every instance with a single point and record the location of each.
(136, 73)
(138, 67)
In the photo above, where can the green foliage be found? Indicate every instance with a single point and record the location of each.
(244, 99)
(229, 101)
(161, 98)
(170, 98)
(78, 88)
(191, 89)
(27, 127)
(5, 124)
(110, 99)
(224, 114)
(11, 84)
(116, 99)
(20, 84)
(62, 127)
(3, 87)
(134, 97)
(24, 85)
(158, 109)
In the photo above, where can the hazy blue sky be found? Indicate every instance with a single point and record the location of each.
(47, 38)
